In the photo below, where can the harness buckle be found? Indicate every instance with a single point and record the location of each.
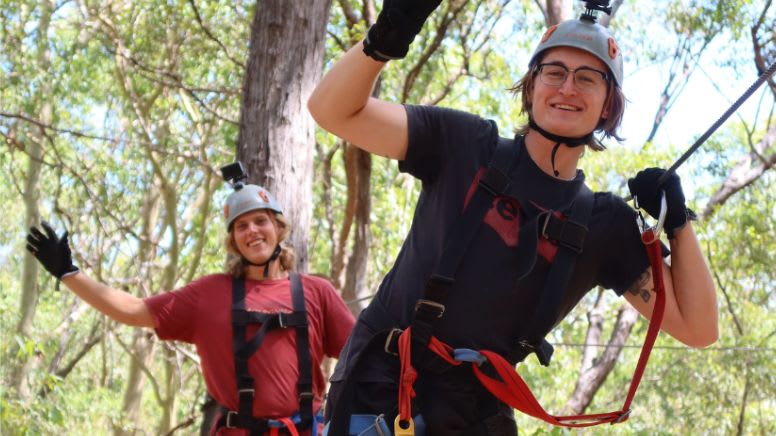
(240, 392)
(437, 309)
(567, 233)
(282, 319)
(306, 396)
(229, 416)
(547, 215)
(393, 335)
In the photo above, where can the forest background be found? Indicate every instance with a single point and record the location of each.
(116, 115)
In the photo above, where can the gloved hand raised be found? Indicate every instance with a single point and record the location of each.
(647, 192)
(52, 252)
(397, 25)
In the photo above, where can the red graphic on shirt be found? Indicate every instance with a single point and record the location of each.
(504, 217)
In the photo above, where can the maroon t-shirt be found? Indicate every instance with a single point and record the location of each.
(200, 313)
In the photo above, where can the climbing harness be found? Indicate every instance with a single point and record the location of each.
(510, 387)
(243, 350)
(420, 348)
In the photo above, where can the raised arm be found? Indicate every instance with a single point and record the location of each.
(53, 252)
(691, 299)
(342, 102)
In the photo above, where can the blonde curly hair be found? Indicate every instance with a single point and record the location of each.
(235, 262)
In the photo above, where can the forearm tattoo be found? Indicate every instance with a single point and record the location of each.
(641, 286)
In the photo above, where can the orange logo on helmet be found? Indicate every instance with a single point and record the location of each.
(613, 48)
(264, 196)
(226, 210)
(549, 31)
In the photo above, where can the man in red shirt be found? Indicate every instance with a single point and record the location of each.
(257, 318)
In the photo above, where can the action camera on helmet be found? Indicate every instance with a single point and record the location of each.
(234, 173)
(246, 197)
(595, 5)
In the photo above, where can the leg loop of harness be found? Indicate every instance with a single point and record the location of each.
(273, 426)
(509, 387)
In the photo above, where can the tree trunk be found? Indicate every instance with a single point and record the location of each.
(591, 378)
(746, 171)
(142, 353)
(276, 138)
(557, 11)
(355, 277)
(29, 296)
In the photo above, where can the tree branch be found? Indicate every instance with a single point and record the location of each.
(212, 37)
(743, 174)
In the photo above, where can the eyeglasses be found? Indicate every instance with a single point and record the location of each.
(586, 79)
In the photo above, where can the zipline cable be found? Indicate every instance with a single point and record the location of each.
(748, 93)
(734, 107)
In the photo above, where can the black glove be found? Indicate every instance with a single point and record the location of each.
(52, 252)
(647, 192)
(398, 23)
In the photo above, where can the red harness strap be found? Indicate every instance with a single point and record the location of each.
(290, 426)
(513, 390)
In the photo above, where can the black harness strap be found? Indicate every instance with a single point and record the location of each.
(305, 382)
(243, 350)
(570, 236)
(431, 307)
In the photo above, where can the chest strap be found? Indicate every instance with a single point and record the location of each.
(244, 348)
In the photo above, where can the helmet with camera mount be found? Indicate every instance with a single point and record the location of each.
(585, 34)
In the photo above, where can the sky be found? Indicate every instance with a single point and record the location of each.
(699, 106)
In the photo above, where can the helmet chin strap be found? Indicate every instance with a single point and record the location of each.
(558, 139)
(275, 255)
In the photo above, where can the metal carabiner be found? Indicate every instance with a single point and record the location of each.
(658, 227)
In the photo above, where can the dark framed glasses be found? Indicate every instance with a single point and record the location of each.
(586, 79)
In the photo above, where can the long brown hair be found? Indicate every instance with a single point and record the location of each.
(235, 263)
(614, 106)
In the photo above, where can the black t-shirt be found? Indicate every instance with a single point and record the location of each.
(491, 300)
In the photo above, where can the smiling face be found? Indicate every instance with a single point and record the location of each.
(255, 235)
(565, 110)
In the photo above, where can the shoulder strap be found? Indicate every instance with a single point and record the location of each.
(493, 183)
(245, 389)
(305, 382)
(244, 348)
(544, 318)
